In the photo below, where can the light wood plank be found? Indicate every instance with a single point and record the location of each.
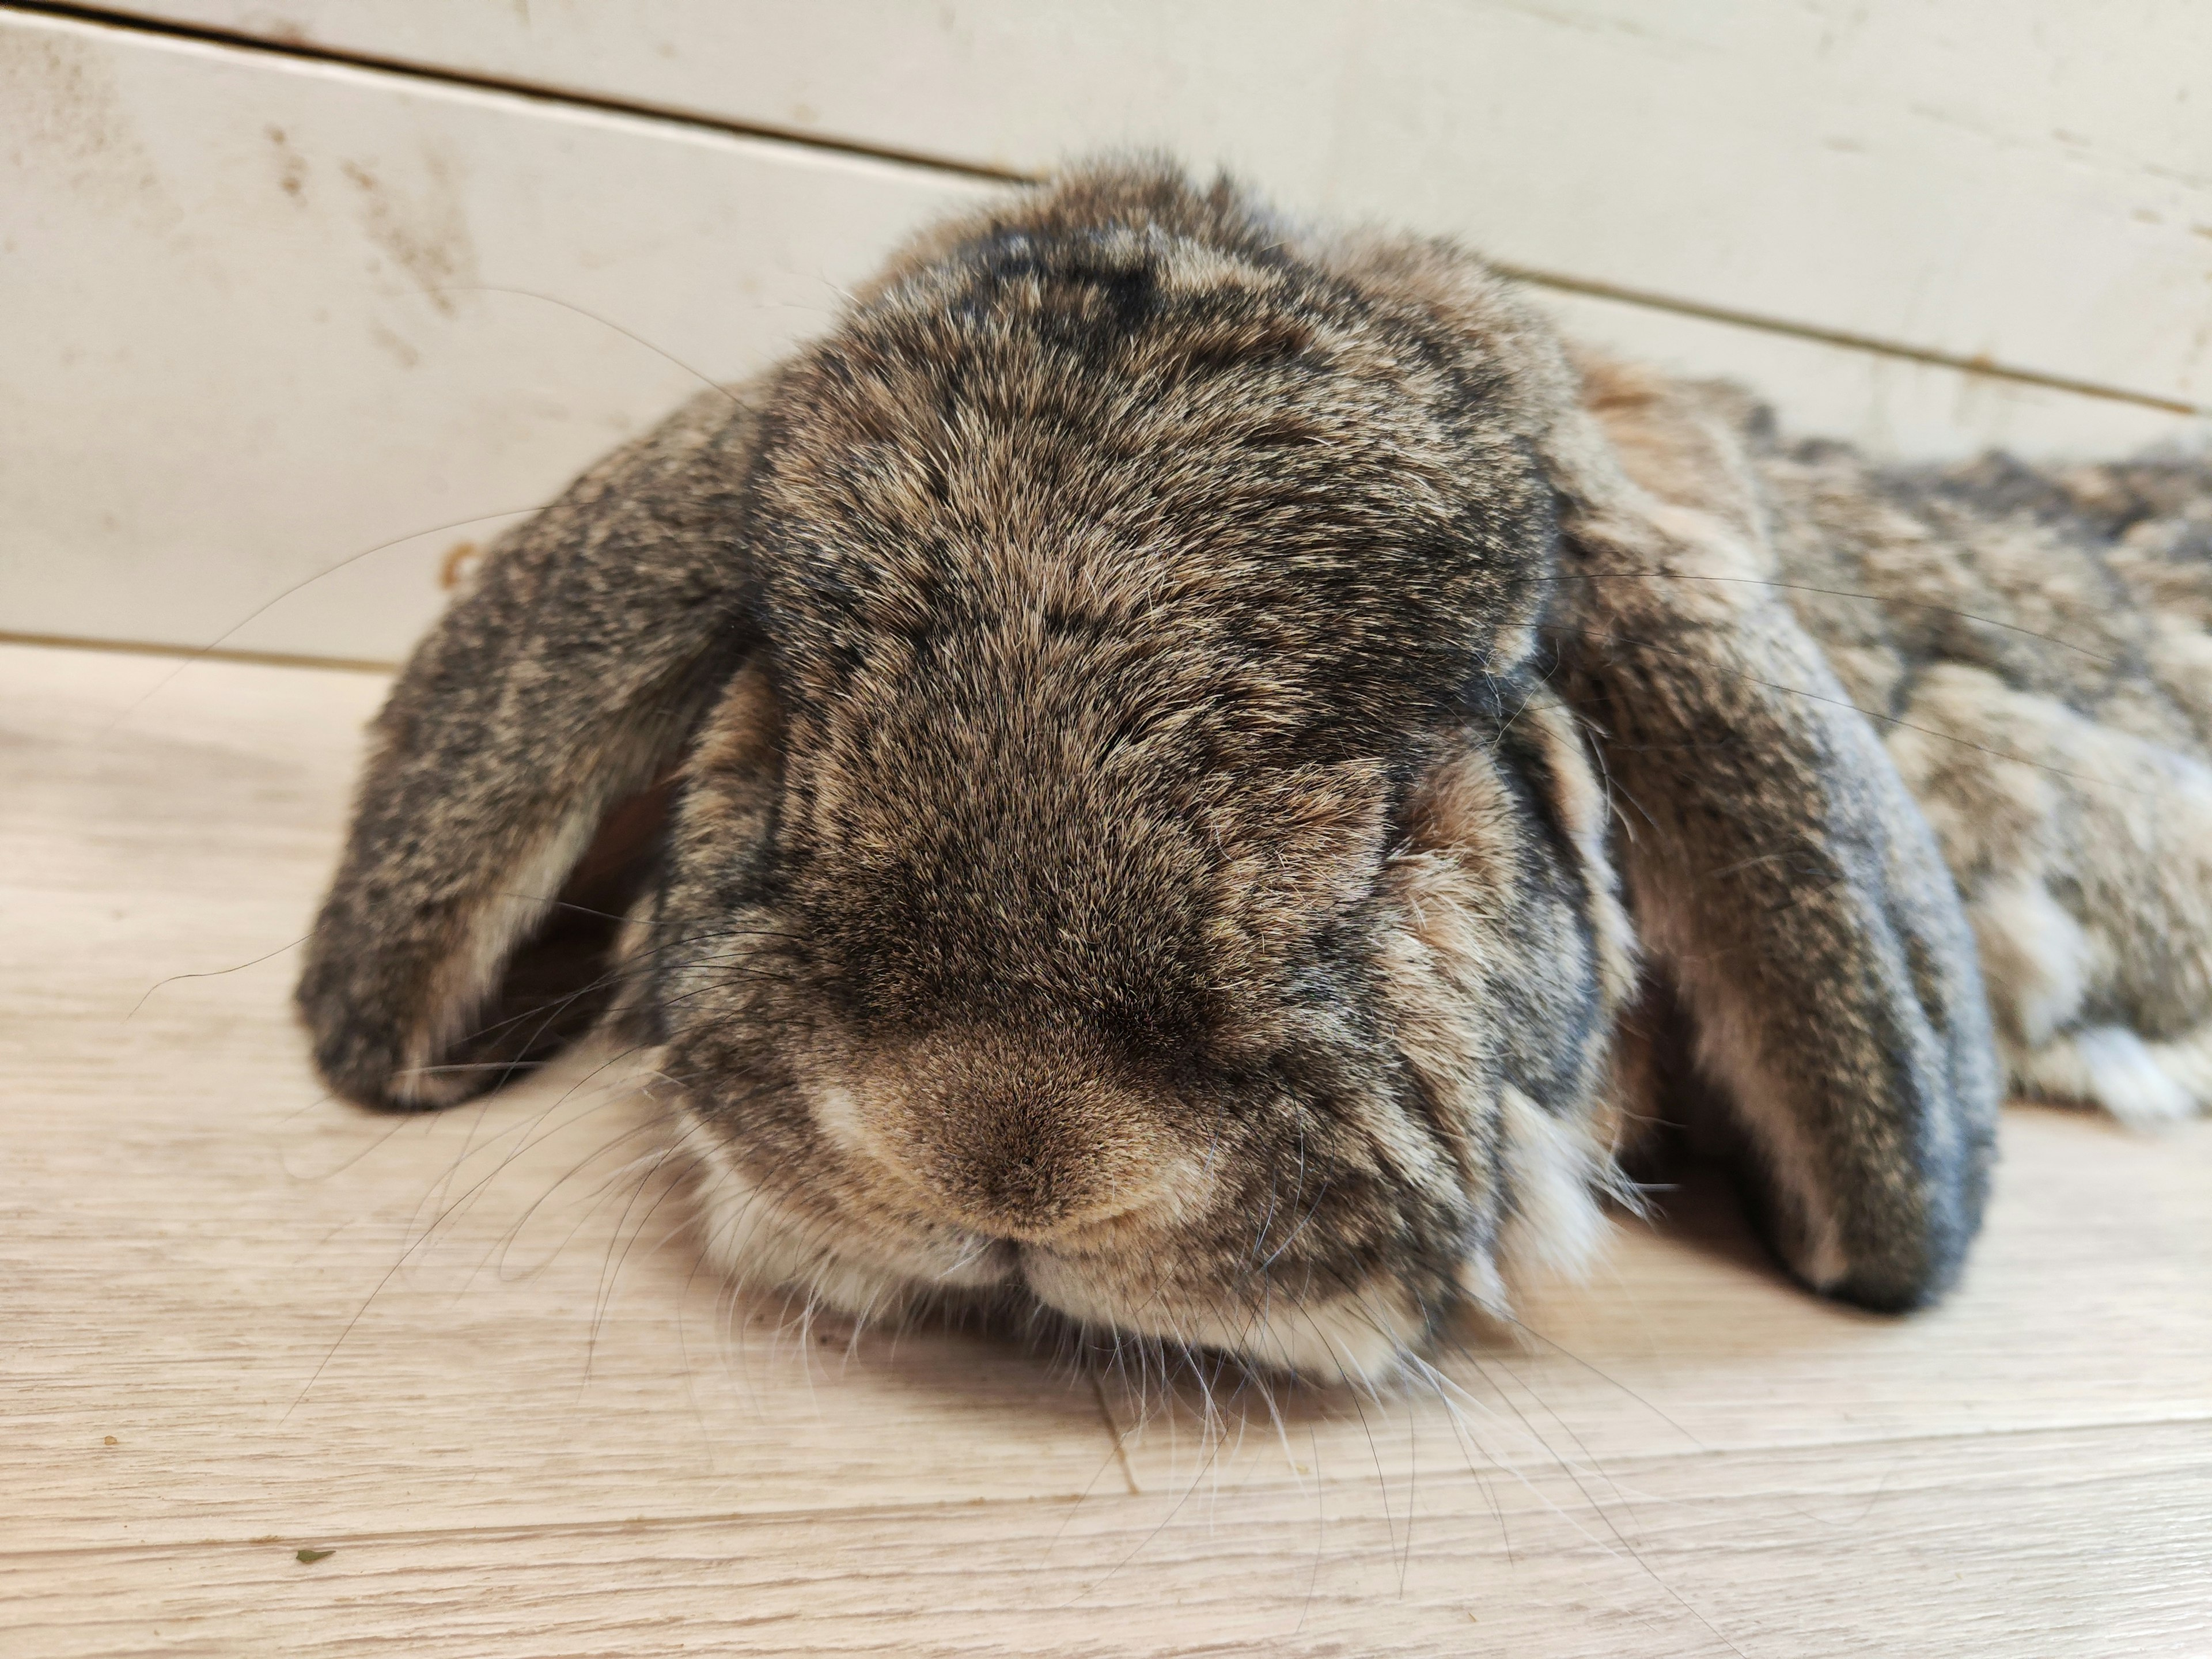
(2089, 1301)
(507, 1400)
(2055, 1546)
(259, 316)
(237, 367)
(2030, 183)
(1890, 406)
(294, 1316)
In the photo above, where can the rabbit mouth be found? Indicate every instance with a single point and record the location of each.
(1360, 1336)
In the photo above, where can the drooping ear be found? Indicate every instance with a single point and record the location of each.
(525, 738)
(1779, 872)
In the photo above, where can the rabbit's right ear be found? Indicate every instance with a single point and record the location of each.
(568, 681)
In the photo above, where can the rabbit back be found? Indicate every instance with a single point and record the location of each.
(2036, 644)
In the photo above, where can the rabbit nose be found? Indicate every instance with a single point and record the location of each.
(1022, 1158)
(1028, 1168)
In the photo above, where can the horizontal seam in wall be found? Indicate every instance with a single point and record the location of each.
(1555, 281)
(191, 653)
(440, 74)
(1843, 338)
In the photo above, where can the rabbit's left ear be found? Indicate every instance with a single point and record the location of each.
(1779, 872)
(565, 683)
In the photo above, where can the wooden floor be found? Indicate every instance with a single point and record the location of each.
(283, 1377)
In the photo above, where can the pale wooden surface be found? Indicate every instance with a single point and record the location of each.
(261, 313)
(468, 1354)
(2025, 180)
(259, 317)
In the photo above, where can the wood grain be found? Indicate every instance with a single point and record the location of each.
(2028, 183)
(468, 1355)
(1634, 1362)
(283, 334)
(290, 1313)
(1953, 1547)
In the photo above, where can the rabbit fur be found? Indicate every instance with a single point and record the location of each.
(1206, 777)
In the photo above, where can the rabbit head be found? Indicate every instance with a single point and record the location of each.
(1105, 759)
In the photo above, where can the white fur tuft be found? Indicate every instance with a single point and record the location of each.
(2139, 1082)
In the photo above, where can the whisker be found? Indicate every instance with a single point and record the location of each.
(706, 380)
(215, 973)
(215, 643)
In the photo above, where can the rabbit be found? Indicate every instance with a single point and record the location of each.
(1209, 779)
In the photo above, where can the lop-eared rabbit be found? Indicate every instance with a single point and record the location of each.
(1209, 778)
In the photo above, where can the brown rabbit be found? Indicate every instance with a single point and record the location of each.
(1190, 773)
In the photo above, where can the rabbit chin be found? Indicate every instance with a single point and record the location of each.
(755, 1243)
(1362, 1338)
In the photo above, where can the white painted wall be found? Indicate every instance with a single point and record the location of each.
(232, 359)
(253, 319)
(2029, 181)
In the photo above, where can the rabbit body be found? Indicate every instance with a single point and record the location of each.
(2038, 643)
(1198, 756)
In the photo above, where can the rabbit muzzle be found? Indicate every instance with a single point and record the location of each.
(1030, 1153)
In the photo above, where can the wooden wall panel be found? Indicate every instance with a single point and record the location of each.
(2025, 182)
(258, 315)
(262, 311)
